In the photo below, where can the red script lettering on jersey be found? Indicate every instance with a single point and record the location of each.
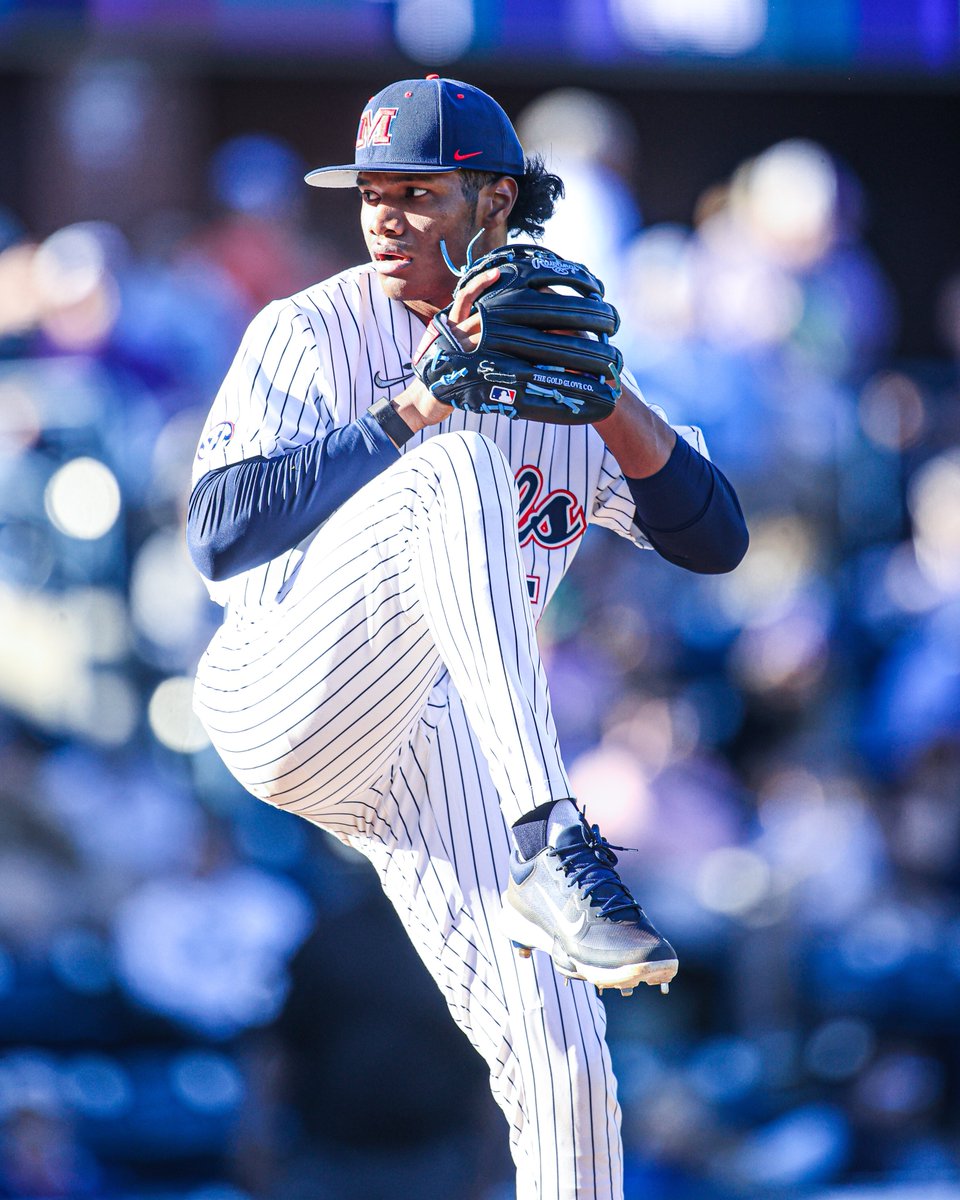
(555, 520)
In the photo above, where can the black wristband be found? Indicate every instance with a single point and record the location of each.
(384, 412)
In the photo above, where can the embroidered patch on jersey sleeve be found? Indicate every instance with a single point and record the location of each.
(215, 438)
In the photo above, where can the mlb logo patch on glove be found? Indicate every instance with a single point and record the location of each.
(504, 399)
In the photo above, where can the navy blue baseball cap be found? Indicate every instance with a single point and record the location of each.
(429, 126)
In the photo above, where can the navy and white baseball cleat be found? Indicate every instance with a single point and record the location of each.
(567, 899)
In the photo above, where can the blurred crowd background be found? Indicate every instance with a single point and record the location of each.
(203, 998)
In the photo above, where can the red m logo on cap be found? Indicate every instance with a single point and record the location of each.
(375, 130)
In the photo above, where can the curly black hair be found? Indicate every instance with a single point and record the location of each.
(537, 194)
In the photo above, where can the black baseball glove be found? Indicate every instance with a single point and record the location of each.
(542, 355)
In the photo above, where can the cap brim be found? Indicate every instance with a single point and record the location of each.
(346, 176)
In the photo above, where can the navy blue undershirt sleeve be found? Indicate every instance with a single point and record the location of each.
(242, 515)
(690, 513)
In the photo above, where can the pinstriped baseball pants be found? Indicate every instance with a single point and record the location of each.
(396, 697)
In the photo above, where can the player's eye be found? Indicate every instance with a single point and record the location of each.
(367, 196)
(416, 192)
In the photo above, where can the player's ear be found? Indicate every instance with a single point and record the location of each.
(495, 201)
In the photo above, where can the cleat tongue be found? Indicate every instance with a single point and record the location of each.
(593, 866)
(568, 837)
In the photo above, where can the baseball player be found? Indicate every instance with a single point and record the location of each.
(383, 557)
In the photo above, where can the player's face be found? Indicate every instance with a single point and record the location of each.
(404, 218)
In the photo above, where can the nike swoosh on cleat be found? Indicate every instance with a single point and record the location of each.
(459, 156)
(388, 383)
(571, 928)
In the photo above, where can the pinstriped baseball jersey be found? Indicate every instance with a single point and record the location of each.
(316, 361)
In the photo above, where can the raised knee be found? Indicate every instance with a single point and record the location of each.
(462, 451)
(461, 441)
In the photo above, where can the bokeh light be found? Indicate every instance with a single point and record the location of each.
(733, 880)
(171, 716)
(611, 784)
(83, 499)
(789, 196)
(662, 285)
(709, 26)
(166, 593)
(77, 295)
(934, 502)
(839, 1049)
(207, 1081)
(97, 1086)
(54, 663)
(778, 564)
(434, 31)
(892, 411)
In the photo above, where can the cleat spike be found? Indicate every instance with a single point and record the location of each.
(665, 988)
(599, 990)
(626, 991)
(523, 951)
(566, 981)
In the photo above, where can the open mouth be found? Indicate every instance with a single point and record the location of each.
(390, 256)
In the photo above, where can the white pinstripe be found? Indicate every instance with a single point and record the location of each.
(383, 680)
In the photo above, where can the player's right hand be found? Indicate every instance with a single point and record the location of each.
(416, 404)
(419, 407)
(464, 324)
